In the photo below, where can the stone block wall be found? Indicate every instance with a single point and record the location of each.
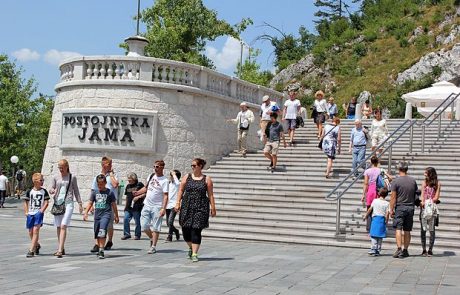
(190, 124)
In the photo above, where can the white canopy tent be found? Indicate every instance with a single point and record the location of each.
(428, 99)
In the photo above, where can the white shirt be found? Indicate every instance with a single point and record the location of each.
(36, 199)
(379, 127)
(172, 195)
(379, 207)
(3, 182)
(155, 190)
(321, 105)
(291, 108)
(265, 108)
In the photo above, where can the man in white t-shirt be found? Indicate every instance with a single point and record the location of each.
(266, 109)
(244, 118)
(154, 204)
(290, 111)
(3, 186)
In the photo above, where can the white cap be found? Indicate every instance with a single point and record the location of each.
(243, 104)
(265, 98)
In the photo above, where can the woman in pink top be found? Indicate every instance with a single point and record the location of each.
(370, 186)
(431, 189)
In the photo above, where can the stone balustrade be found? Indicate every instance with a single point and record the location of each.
(153, 70)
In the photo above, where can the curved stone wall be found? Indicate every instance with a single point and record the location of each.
(164, 120)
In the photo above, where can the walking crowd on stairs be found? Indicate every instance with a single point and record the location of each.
(192, 197)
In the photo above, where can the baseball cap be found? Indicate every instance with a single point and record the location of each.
(265, 98)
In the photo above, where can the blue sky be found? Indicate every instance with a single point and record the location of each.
(38, 34)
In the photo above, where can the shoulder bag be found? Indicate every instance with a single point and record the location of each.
(320, 143)
(60, 209)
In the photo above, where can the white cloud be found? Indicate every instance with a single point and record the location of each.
(55, 57)
(26, 54)
(228, 57)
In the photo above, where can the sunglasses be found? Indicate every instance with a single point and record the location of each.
(156, 166)
(193, 166)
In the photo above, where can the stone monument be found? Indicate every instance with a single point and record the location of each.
(137, 109)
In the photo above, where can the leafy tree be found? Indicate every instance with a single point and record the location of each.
(250, 71)
(24, 121)
(179, 30)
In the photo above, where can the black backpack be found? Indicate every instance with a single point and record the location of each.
(19, 175)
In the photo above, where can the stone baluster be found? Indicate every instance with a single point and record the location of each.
(96, 71)
(110, 71)
(89, 70)
(156, 73)
(124, 72)
(117, 71)
(163, 74)
(103, 71)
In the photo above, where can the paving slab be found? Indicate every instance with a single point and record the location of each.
(225, 267)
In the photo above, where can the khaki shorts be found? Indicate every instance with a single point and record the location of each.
(272, 147)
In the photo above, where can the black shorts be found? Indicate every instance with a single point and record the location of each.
(404, 217)
(100, 226)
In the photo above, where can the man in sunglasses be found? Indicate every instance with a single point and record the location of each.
(155, 202)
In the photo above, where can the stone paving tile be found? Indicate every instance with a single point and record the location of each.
(225, 267)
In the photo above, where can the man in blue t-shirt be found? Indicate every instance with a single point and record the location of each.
(105, 206)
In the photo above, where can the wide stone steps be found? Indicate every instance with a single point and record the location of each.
(288, 205)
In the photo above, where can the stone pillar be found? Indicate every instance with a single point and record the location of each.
(203, 78)
(457, 109)
(358, 114)
(408, 115)
(136, 45)
(79, 71)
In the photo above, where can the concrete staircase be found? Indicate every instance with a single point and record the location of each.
(288, 205)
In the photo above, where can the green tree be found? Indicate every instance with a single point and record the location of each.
(331, 9)
(24, 121)
(250, 71)
(179, 30)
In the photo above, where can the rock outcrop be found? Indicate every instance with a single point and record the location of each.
(448, 61)
(305, 68)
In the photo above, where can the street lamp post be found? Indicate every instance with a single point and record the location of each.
(14, 160)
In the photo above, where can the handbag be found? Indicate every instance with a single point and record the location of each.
(320, 143)
(60, 209)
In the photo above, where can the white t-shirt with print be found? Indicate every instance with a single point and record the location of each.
(36, 199)
(291, 108)
(155, 190)
(379, 207)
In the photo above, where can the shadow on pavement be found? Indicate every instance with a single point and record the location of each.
(216, 258)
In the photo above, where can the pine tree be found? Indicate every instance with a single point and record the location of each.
(332, 9)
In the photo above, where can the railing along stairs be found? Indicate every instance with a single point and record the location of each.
(387, 146)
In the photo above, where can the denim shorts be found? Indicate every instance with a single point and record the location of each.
(404, 217)
(150, 217)
(100, 226)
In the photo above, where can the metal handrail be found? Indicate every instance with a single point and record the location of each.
(336, 195)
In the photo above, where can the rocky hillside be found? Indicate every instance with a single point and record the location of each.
(391, 53)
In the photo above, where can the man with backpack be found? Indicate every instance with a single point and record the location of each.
(21, 179)
(273, 133)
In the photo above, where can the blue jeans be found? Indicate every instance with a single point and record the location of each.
(137, 219)
(359, 153)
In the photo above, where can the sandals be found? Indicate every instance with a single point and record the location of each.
(59, 254)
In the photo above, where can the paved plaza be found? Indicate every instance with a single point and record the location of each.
(225, 267)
